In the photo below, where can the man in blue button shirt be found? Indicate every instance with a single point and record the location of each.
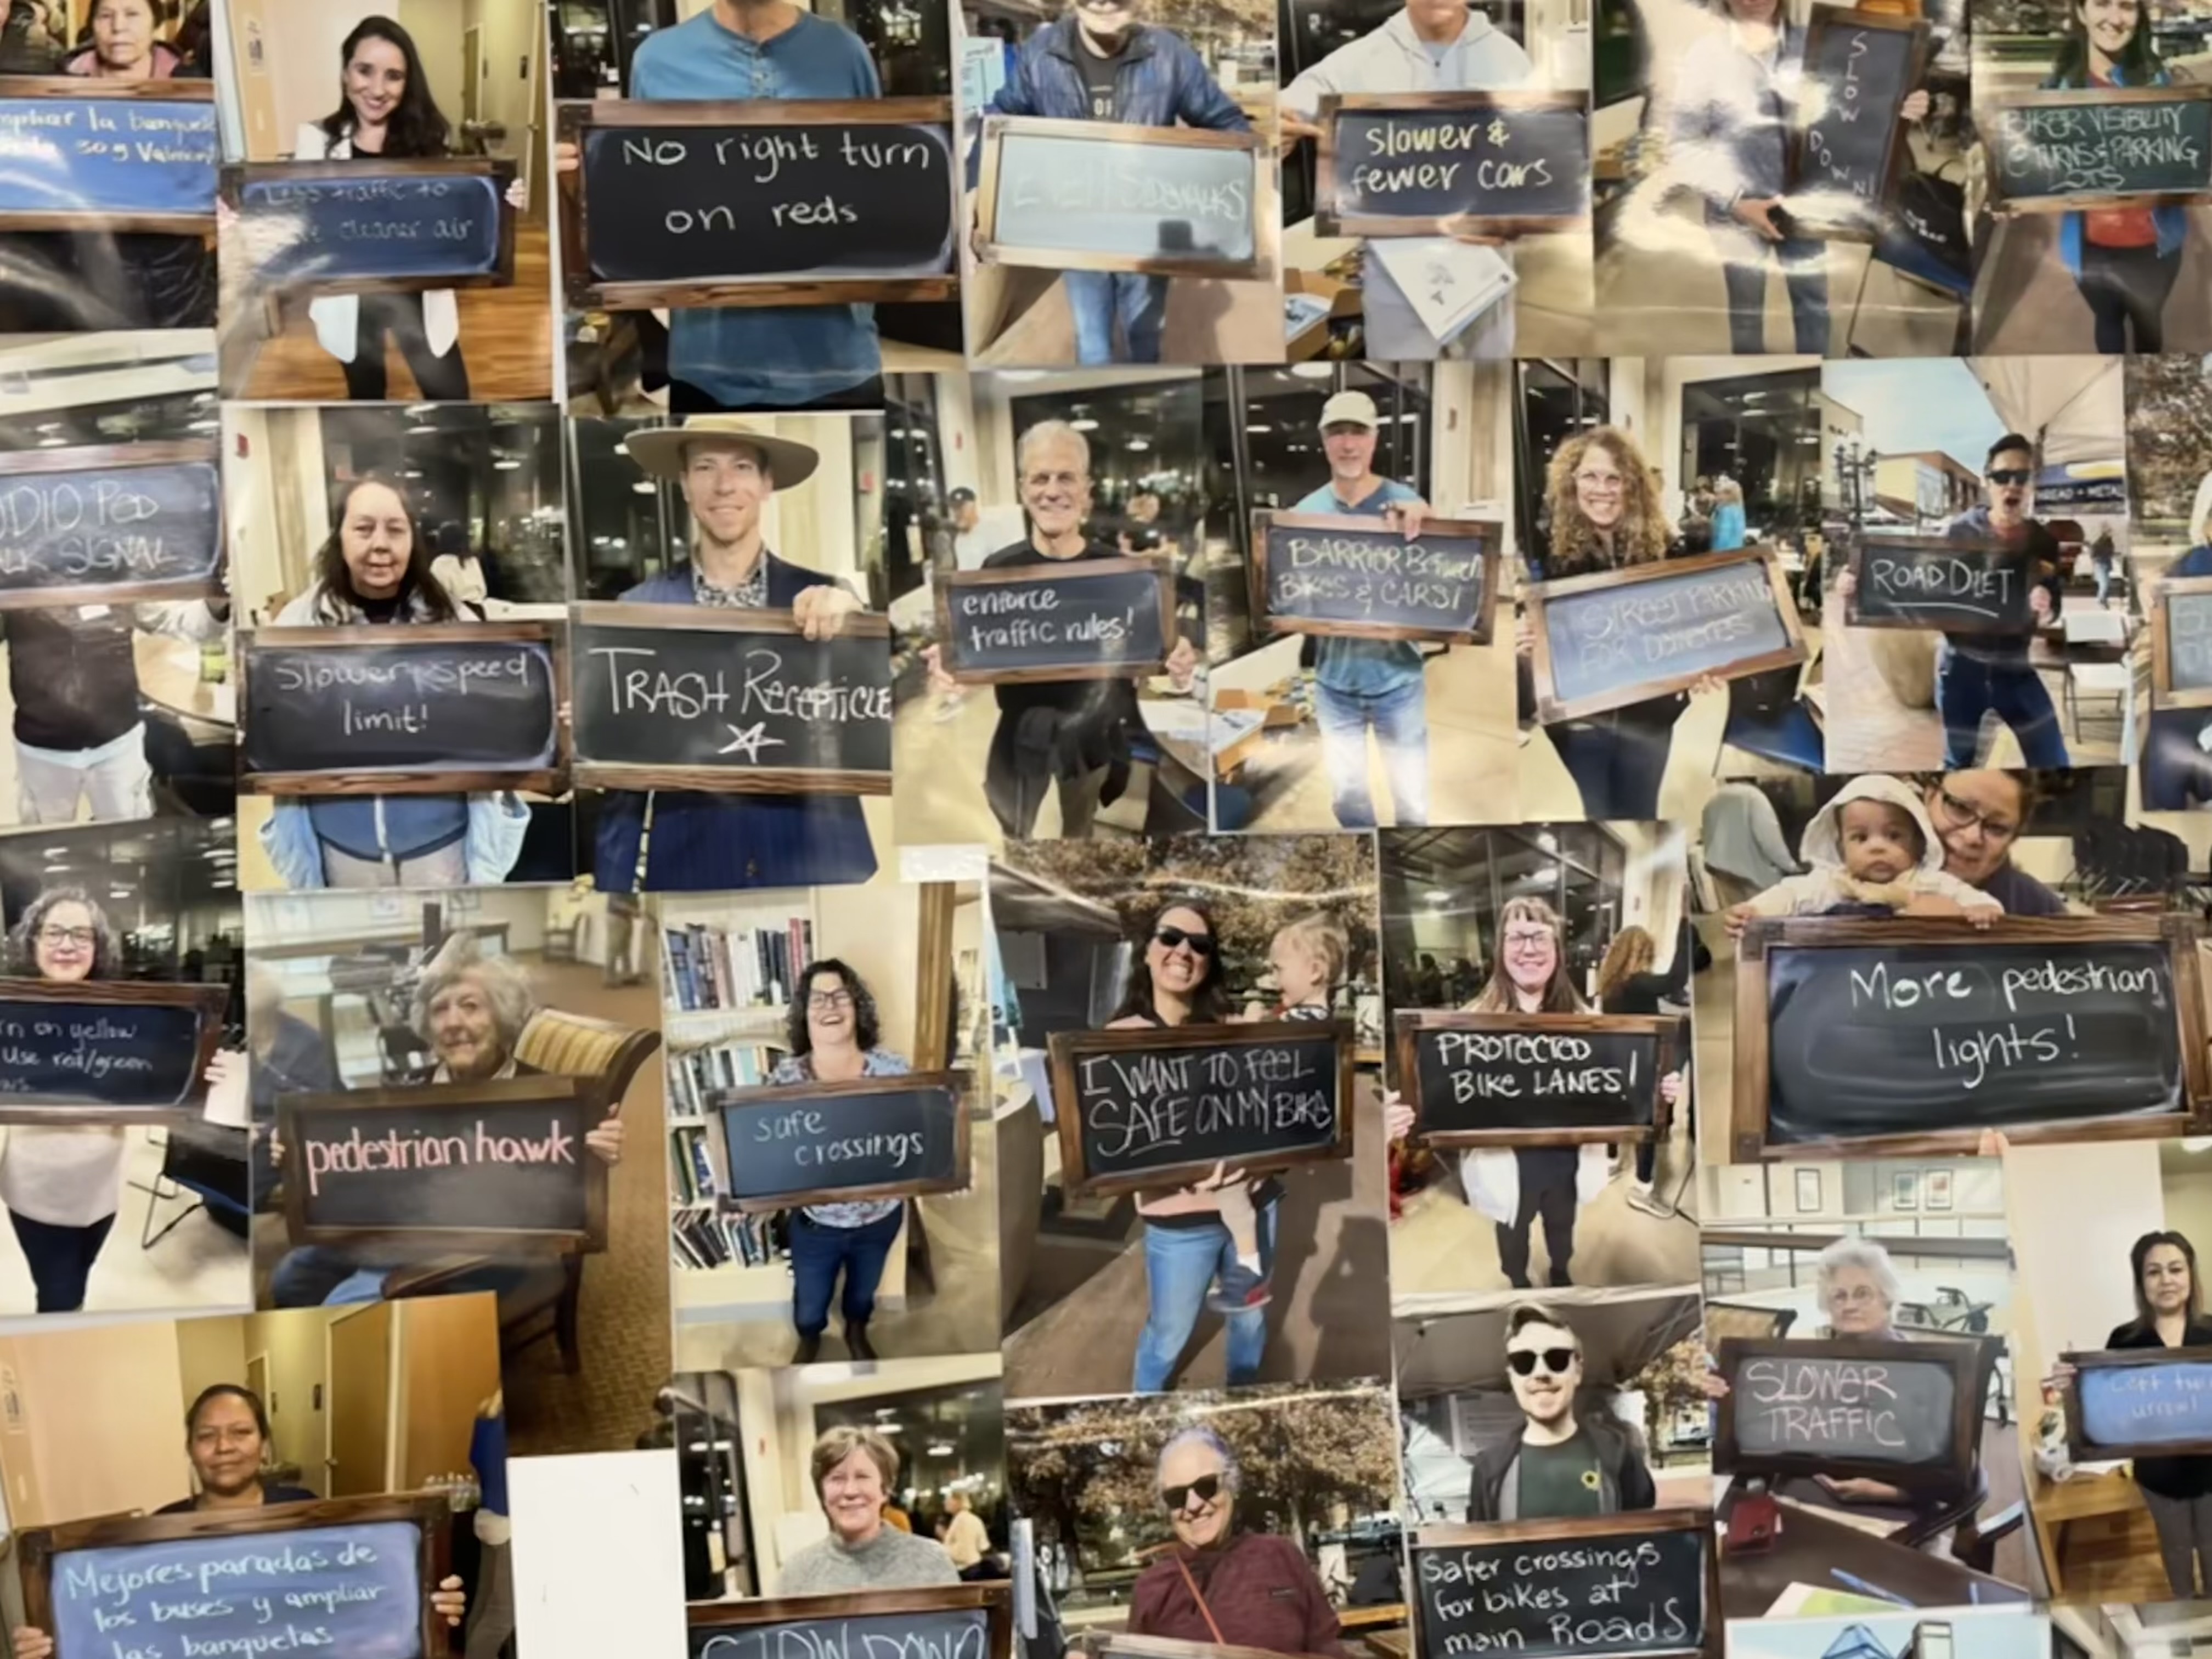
(1364, 684)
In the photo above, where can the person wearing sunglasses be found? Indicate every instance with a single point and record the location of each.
(1561, 1461)
(2177, 754)
(1219, 1584)
(1980, 816)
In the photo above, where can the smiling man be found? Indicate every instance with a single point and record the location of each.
(1559, 1462)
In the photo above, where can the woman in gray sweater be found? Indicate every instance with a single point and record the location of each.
(855, 1473)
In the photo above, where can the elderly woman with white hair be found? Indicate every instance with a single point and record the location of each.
(470, 1008)
(2177, 756)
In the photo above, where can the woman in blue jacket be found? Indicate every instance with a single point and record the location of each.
(2177, 766)
(1728, 528)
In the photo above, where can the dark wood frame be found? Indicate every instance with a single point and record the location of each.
(1329, 221)
(1967, 1396)
(2080, 1446)
(994, 1599)
(1407, 1025)
(543, 780)
(2162, 692)
(1749, 1106)
(209, 1001)
(2186, 93)
(1537, 595)
(989, 251)
(575, 118)
(116, 458)
(724, 1102)
(1824, 19)
(1633, 1523)
(1066, 1048)
(37, 1547)
(1488, 531)
(299, 1229)
(1856, 616)
(1054, 575)
(94, 90)
(718, 779)
(1106, 1643)
(236, 176)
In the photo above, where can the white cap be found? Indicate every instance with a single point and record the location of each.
(1349, 409)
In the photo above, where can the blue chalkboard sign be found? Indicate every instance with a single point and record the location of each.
(2130, 1403)
(81, 154)
(370, 226)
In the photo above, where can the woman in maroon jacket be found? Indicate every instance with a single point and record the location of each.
(1216, 1584)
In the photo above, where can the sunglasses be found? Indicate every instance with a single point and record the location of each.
(1206, 1485)
(2010, 475)
(1556, 1360)
(1201, 943)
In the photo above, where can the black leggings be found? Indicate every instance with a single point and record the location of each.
(2125, 286)
(438, 380)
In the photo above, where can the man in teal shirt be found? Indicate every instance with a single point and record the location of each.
(1364, 684)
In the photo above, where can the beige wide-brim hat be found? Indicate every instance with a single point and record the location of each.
(660, 450)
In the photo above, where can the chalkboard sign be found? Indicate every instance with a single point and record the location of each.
(1932, 581)
(437, 708)
(2181, 643)
(731, 701)
(2137, 1402)
(110, 524)
(1321, 572)
(1090, 619)
(353, 1575)
(821, 1143)
(372, 226)
(964, 1622)
(1624, 636)
(759, 203)
(1140, 1108)
(1859, 1037)
(1860, 67)
(497, 1168)
(1906, 1412)
(1608, 1586)
(1510, 163)
(106, 1051)
(1101, 196)
(2054, 152)
(108, 155)
(1535, 1080)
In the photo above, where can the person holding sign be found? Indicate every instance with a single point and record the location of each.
(1874, 851)
(855, 1470)
(2177, 754)
(1627, 985)
(1558, 1463)
(1979, 815)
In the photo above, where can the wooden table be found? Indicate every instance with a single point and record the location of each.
(1389, 1644)
(169, 677)
(2057, 1505)
(1813, 1546)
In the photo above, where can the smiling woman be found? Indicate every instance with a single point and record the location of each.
(855, 1472)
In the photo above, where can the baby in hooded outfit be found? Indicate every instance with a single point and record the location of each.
(1873, 848)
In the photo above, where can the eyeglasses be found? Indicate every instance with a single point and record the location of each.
(1206, 1485)
(1960, 814)
(1518, 938)
(1201, 943)
(826, 1000)
(2010, 475)
(78, 936)
(1600, 482)
(1524, 1360)
(1858, 1296)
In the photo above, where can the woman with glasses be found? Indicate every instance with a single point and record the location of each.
(2177, 756)
(1979, 815)
(835, 1038)
(1561, 1461)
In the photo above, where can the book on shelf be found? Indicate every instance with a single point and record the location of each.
(695, 1074)
(703, 1239)
(713, 967)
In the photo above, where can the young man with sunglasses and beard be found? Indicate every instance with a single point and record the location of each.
(1559, 1463)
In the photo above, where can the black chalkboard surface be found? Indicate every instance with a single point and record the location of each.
(110, 524)
(85, 154)
(106, 1051)
(1324, 573)
(1860, 67)
(1138, 1109)
(968, 1621)
(1932, 581)
(1906, 1412)
(1535, 1080)
(1915, 1036)
(1632, 1586)
(1088, 619)
(373, 225)
(820, 1143)
(2052, 152)
(731, 701)
(2181, 643)
(759, 203)
(1393, 164)
(1102, 195)
(438, 708)
(1623, 636)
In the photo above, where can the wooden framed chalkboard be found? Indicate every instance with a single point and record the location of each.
(2138, 1403)
(732, 702)
(1860, 1037)
(1934, 583)
(823, 1143)
(1618, 637)
(1848, 137)
(379, 1560)
(1501, 163)
(1908, 1414)
(1535, 1080)
(372, 226)
(953, 1621)
(107, 1051)
(1105, 195)
(498, 1168)
(108, 155)
(2181, 643)
(1355, 578)
(110, 523)
(2103, 147)
(1088, 619)
(1120, 1644)
(759, 202)
(430, 709)
(1138, 1109)
(1641, 1585)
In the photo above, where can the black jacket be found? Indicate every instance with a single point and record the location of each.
(1628, 1483)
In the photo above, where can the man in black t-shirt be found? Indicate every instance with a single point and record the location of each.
(1559, 1462)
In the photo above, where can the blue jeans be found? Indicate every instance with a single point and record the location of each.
(1618, 767)
(1966, 689)
(1181, 1264)
(317, 1276)
(60, 1259)
(819, 1252)
(1401, 723)
(1100, 297)
(1804, 273)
